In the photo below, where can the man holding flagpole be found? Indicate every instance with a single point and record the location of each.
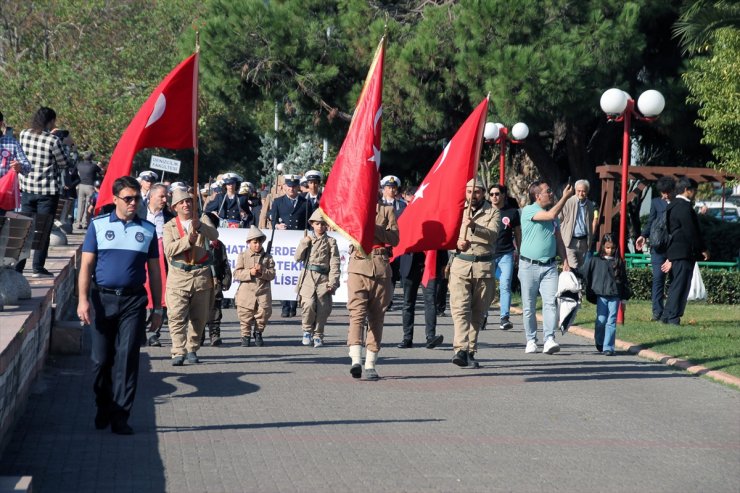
(472, 284)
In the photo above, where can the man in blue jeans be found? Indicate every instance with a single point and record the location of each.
(538, 270)
(509, 239)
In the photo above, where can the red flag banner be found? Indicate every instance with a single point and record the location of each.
(351, 193)
(166, 119)
(432, 220)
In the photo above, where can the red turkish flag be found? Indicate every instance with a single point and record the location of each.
(166, 119)
(351, 193)
(433, 218)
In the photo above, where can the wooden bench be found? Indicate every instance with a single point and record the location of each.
(15, 238)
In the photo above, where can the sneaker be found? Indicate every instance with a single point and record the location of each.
(551, 347)
(306, 339)
(154, 341)
(192, 358)
(506, 324)
(41, 273)
(317, 342)
(371, 374)
(178, 360)
(609, 352)
(531, 347)
(216, 340)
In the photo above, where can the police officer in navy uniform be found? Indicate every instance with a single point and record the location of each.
(229, 205)
(390, 185)
(290, 211)
(116, 250)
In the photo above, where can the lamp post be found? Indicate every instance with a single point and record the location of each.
(497, 133)
(620, 107)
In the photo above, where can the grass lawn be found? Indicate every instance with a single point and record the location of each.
(709, 335)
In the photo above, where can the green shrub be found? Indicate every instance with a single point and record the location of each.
(723, 287)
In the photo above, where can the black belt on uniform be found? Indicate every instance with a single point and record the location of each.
(475, 258)
(537, 262)
(318, 268)
(580, 237)
(189, 267)
(122, 291)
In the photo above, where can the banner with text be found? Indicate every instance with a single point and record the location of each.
(287, 270)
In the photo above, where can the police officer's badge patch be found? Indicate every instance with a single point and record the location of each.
(109, 235)
(140, 237)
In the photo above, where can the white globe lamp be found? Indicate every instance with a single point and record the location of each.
(520, 131)
(613, 101)
(651, 103)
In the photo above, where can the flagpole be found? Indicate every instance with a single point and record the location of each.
(195, 115)
(476, 154)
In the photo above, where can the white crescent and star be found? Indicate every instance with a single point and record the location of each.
(376, 152)
(158, 110)
(420, 192)
(444, 156)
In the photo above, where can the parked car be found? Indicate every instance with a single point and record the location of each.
(714, 209)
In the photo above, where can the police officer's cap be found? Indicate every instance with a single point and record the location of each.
(231, 179)
(313, 174)
(255, 233)
(317, 217)
(304, 181)
(292, 180)
(390, 181)
(178, 185)
(149, 176)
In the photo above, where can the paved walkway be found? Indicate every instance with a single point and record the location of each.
(289, 418)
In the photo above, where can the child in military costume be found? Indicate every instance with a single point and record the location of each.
(319, 279)
(255, 268)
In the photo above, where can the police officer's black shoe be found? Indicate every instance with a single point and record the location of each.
(292, 313)
(461, 358)
(435, 341)
(356, 370)
(472, 364)
(102, 419)
(246, 341)
(121, 428)
(405, 344)
(285, 313)
(154, 341)
(258, 339)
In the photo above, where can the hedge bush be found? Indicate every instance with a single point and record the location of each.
(722, 238)
(723, 286)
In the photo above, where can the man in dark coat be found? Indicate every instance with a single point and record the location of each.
(289, 211)
(686, 245)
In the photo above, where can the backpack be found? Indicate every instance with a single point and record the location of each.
(659, 235)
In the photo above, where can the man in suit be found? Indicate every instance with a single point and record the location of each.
(289, 211)
(577, 224)
(666, 186)
(313, 188)
(684, 248)
(412, 271)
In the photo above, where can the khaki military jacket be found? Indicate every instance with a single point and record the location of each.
(179, 249)
(253, 289)
(481, 233)
(386, 234)
(324, 253)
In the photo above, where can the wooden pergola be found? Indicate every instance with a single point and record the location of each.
(611, 174)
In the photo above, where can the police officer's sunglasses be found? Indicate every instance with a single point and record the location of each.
(130, 198)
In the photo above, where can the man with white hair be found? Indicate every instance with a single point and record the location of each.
(578, 221)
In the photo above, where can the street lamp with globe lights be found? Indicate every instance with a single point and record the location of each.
(497, 133)
(620, 107)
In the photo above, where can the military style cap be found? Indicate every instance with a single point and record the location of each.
(178, 185)
(255, 233)
(317, 217)
(292, 180)
(313, 174)
(477, 182)
(179, 195)
(231, 178)
(304, 181)
(390, 181)
(149, 175)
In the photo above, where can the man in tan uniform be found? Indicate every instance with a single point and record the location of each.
(369, 286)
(189, 281)
(472, 284)
(319, 279)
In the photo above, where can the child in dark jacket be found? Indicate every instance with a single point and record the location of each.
(606, 279)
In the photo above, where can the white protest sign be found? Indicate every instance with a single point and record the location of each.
(287, 270)
(164, 164)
